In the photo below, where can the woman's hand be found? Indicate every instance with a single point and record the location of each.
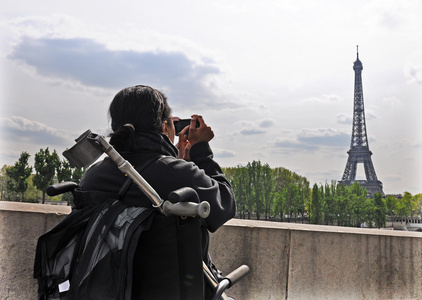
(196, 135)
(183, 145)
(203, 133)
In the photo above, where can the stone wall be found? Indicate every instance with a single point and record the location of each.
(287, 261)
(20, 226)
(295, 261)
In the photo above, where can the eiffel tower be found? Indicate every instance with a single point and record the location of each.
(359, 148)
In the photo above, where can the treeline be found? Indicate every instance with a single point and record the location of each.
(19, 184)
(269, 193)
(336, 204)
(261, 192)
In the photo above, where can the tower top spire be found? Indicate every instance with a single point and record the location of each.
(357, 65)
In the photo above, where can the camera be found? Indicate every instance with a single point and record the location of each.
(182, 123)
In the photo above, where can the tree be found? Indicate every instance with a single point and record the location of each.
(77, 174)
(45, 167)
(369, 212)
(256, 179)
(391, 204)
(418, 203)
(250, 190)
(358, 198)
(32, 193)
(380, 210)
(278, 204)
(267, 191)
(328, 207)
(316, 206)
(3, 184)
(238, 180)
(402, 209)
(64, 171)
(18, 174)
(287, 200)
(407, 206)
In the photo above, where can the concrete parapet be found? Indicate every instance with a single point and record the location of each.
(287, 261)
(296, 261)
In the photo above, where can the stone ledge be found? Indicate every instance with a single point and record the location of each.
(319, 228)
(35, 208)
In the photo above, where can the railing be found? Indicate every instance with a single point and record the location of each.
(287, 261)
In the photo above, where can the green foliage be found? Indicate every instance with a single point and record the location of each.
(408, 205)
(32, 193)
(266, 192)
(17, 175)
(380, 211)
(237, 178)
(18, 184)
(65, 172)
(391, 203)
(279, 192)
(4, 192)
(316, 206)
(45, 169)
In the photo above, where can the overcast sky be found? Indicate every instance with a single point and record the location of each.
(274, 79)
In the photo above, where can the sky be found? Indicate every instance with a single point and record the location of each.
(274, 79)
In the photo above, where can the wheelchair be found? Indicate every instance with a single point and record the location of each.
(73, 259)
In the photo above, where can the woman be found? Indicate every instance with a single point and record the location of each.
(144, 133)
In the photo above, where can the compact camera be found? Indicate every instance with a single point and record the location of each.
(182, 123)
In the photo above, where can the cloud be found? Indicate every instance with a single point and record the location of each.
(414, 73)
(251, 131)
(292, 144)
(221, 153)
(313, 139)
(343, 118)
(93, 64)
(392, 101)
(324, 99)
(266, 123)
(324, 137)
(370, 115)
(392, 178)
(20, 129)
(255, 127)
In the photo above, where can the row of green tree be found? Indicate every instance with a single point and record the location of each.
(268, 193)
(260, 191)
(17, 181)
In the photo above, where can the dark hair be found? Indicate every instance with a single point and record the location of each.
(143, 107)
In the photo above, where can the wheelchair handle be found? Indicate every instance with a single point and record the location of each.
(238, 274)
(229, 281)
(60, 188)
(186, 209)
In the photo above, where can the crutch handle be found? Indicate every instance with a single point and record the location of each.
(186, 209)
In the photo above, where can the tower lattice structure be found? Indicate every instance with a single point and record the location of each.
(359, 149)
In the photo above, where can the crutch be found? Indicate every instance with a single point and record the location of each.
(90, 146)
